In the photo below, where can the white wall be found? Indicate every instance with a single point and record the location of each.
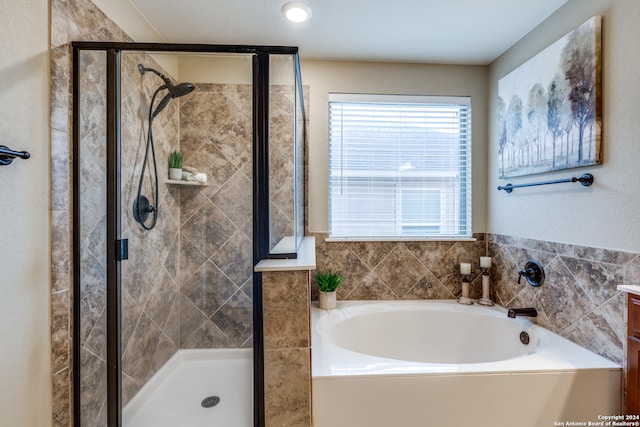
(25, 360)
(606, 214)
(324, 77)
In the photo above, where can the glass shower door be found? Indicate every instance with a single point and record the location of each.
(187, 308)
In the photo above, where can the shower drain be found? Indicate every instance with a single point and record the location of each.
(210, 402)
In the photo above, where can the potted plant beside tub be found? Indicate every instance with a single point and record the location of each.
(175, 165)
(328, 282)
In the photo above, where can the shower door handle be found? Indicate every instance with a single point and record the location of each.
(122, 249)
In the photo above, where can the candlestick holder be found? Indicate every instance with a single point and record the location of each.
(464, 297)
(486, 298)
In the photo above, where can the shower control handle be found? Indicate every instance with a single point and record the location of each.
(533, 273)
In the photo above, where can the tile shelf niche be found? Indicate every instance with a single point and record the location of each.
(183, 182)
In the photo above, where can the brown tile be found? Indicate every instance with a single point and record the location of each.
(209, 288)
(96, 342)
(522, 255)
(604, 255)
(60, 251)
(632, 272)
(597, 332)
(60, 331)
(504, 276)
(60, 89)
(347, 263)
(61, 398)
(191, 260)
(371, 253)
(598, 280)
(92, 296)
(192, 198)
(282, 199)
(172, 326)
(191, 318)
(163, 294)
(235, 318)
(209, 229)
(372, 287)
(163, 352)
(60, 171)
(563, 300)
(208, 335)
(93, 387)
(447, 269)
(235, 258)
(286, 309)
(235, 199)
(400, 270)
(131, 312)
(287, 388)
(137, 357)
(429, 252)
(129, 388)
(429, 287)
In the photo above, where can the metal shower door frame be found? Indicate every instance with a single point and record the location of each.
(116, 246)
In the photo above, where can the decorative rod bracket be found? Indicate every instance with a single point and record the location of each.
(585, 180)
(7, 155)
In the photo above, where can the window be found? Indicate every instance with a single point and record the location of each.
(399, 167)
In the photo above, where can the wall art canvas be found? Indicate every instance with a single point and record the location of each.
(550, 108)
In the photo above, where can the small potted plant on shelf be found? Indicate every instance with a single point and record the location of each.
(328, 282)
(175, 165)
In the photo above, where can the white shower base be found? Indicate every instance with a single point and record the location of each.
(173, 396)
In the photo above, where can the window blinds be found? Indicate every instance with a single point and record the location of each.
(399, 167)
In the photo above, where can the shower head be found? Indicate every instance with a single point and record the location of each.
(175, 91)
(181, 89)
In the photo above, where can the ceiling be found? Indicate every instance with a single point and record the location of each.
(435, 31)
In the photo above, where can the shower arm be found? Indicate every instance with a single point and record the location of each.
(167, 81)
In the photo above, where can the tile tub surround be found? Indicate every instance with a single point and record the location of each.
(579, 299)
(400, 270)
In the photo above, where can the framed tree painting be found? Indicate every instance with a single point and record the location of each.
(550, 108)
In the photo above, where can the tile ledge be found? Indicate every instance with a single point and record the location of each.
(306, 259)
(630, 289)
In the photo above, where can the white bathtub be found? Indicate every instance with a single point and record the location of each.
(439, 363)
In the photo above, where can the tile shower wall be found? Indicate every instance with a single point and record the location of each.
(70, 20)
(149, 278)
(216, 257)
(160, 303)
(150, 287)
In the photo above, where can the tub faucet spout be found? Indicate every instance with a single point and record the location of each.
(529, 311)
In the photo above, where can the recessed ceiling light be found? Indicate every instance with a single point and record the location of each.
(296, 12)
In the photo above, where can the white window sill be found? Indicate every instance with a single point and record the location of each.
(400, 239)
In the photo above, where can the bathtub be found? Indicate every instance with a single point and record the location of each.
(440, 363)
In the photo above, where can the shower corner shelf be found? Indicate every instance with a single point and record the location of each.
(182, 182)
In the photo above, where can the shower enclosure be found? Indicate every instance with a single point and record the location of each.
(176, 307)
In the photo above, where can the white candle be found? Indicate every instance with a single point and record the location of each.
(465, 268)
(485, 261)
